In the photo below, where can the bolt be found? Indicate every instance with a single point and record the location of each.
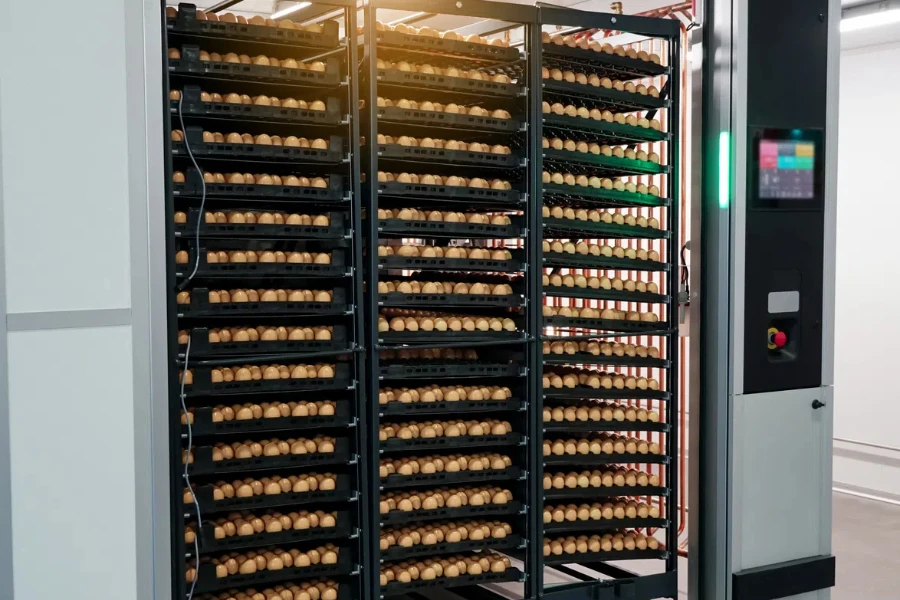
(613, 20)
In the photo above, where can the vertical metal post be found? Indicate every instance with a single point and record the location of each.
(673, 257)
(359, 357)
(370, 495)
(534, 583)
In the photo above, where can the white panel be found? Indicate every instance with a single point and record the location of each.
(65, 170)
(72, 454)
(780, 492)
(867, 284)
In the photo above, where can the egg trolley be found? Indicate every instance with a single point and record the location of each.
(448, 170)
(263, 217)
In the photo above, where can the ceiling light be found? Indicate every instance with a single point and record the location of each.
(875, 19)
(289, 10)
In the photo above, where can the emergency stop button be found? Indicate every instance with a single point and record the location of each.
(777, 338)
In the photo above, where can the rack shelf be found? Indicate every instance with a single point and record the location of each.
(207, 581)
(451, 300)
(411, 229)
(395, 588)
(599, 164)
(187, 24)
(598, 197)
(616, 325)
(572, 228)
(200, 306)
(394, 482)
(209, 544)
(597, 557)
(208, 505)
(439, 370)
(606, 459)
(605, 492)
(450, 264)
(592, 426)
(575, 261)
(603, 64)
(603, 525)
(435, 338)
(205, 465)
(453, 121)
(603, 132)
(415, 409)
(604, 294)
(491, 512)
(445, 193)
(441, 83)
(580, 358)
(442, 444)
(191, 105)
(204, 386)
(204, 424)
(190, 65)
(256, 152)
(588, 393)
(193, 185)
(604, 98)
(336, 229)
(201, 347)
(397, 553)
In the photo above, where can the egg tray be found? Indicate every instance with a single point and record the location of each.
(186, 23)
(457, 49)
(607, 426)
(393, 482)
(415, 228)
(336, 230)
(201, 307)
(604, 525)
(607, 459)
(577, 229)
(256, 152)
(603, 132)
(441, 444)
(207, 581)
(424, 156)
(398, 553)
(558, 291)
(396, 588)
(193, 106)
(209, 544)
(612, 325)
(450, 192)
(204, 425)
(336, 269)
(190, 65)
(443, 370)
(634, 491)
(193, 187)
(433, 118)
(434, 339)
(448, 300)
(602, 64)
(485, 512)
(477, 87)
(204, 464)
(581, 196)
(203, 385)
(201, 347)
(586, 358)
(604, 98)
(410, 263)
(583, 392)
(415, 409)
(579, 261)
(598, 164)
(204, 495)
(595, 557)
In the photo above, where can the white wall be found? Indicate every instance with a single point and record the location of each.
(867, 407)
(74, 373)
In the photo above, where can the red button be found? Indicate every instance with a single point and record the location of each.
(779, 339)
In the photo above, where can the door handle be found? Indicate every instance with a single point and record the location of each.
(817, 405)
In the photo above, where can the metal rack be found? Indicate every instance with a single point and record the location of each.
(494, 358)
(369, 289)
(588, 339)
(251, 287)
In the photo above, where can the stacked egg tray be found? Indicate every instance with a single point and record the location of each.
(264, 338)
(608, 231)
(449, 193)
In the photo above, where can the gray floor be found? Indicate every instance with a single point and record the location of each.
(865, 543)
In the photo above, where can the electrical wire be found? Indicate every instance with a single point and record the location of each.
(187, 476)
(200, 217)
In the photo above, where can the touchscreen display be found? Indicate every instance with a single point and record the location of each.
(786, 169)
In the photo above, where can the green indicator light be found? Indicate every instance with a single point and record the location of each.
(724, 169)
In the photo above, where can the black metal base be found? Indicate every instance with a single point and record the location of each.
(785, 579)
